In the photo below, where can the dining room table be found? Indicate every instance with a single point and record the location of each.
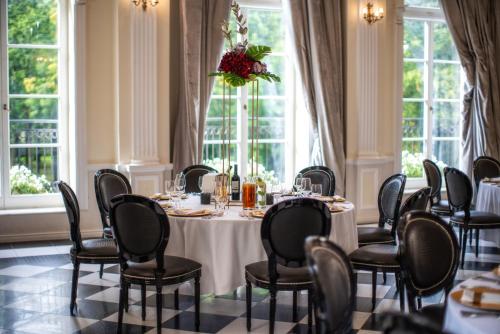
(469, 314)
(488, 200)
(224, 242)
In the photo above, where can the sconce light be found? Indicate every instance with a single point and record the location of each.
(372, 15)
(144, 3)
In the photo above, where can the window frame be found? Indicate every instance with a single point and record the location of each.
(8, 201)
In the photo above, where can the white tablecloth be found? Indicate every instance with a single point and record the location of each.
(456, 323)
(225, 245)
(488, 199)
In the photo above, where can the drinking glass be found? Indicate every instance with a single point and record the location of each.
(180, 183)
(200, 183)
(306, 185)
(169, 187)
(221, 192)
(249, 189)
(316, 190)
(298, 185)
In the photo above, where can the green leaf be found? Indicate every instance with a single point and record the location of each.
(269, 77)
(234, 80)
(258, 52)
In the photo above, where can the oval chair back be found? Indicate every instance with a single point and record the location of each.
(485, 167)
(389, 199)
(417, 201)
(334, 285)
(73, 212)
(109, 183)
(459, 190)
(139, 242)
(193, 173)
(434, 179)
(321, 175)
(429, 252)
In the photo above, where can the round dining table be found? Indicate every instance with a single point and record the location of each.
(225, 244)
(488, 199)
(461, 319)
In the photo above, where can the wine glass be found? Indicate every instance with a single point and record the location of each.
(316, 190)
(200, 183)
(306, 185)
(298, 184)
(169, 187)
(179, 186)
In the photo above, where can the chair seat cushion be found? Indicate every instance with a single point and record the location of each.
(374, 235)
(442, 207)
(477, 219)
(376, 256)
(435, 313)
(175, 267)
(98, 249)
(258, 273)
(107, 233)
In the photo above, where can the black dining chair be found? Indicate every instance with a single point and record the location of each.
(95, 251)
(460, 194)
(408, 323)
(284, 229)
(389, 201)
(192, 175)
(141, 249)
(435, 180)
(429, 253)
(485, 167)
(385, 257)
(334, 285)
(320, 175)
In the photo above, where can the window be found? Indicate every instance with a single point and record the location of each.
(279, 154)
(432, 89)
(34, 101)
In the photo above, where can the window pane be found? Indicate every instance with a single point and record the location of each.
(32, 21)
(446, 81)
(213, 126)
(423, 3)
(271, 161)
(413, 46)
(32, 71)
(265, 27)
(413, 119)
(444, 48)
(271, 119)
(413, 80)
(33, 170)
(212, 154)
(411, 158)
(446, 151)
(276, 65)
(446, 119)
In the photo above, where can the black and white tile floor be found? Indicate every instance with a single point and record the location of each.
(35, 285)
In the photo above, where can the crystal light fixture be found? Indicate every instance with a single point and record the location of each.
(144, 3)
(372, 15)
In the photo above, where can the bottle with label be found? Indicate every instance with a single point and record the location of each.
(235, 185)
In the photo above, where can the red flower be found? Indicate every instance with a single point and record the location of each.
(236, 63)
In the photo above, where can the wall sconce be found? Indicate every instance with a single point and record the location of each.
(372, 15)
(144, 3)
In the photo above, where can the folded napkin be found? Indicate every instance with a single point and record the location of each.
(335, 208)
(188, 212)
(478, 296)
(337, 198)
(208, 183)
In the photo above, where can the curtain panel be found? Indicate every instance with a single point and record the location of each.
(200, 48)
(316, 30)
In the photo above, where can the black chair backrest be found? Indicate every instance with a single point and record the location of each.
(416, 202)
(192, 174)
(389, 199)
(140, 227)
(485, 167)
(408, 323)
(321, 175)
(429, 255)
(73, 212)
(434, 179)
(334, 284)
(108, 183)
(285, 227)
(459, 189)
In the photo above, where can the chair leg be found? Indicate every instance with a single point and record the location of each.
(460, 232)
(419, 302)
(316, 319)
(197, 303)
(121, 305)
(384, 276)
(159, 306)
(401, 288)
(294, 314)
(101, 270)
(248, 299)
(470, 239)
(272, 309)
(464, 243)
(309, 310)
(374, 288)
(176, 299)
(74, 285)
(143, 301)
(125, 302)
(477, 242)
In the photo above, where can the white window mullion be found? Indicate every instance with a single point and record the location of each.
(427, 89)
(3, 102)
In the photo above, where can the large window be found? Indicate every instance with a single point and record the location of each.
(279, 118)
(432, 88)
(34, 101)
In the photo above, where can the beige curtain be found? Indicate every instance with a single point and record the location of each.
(316, 30)
(199, 51)
(475, 28)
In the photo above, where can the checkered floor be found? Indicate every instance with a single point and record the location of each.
(35, 285)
